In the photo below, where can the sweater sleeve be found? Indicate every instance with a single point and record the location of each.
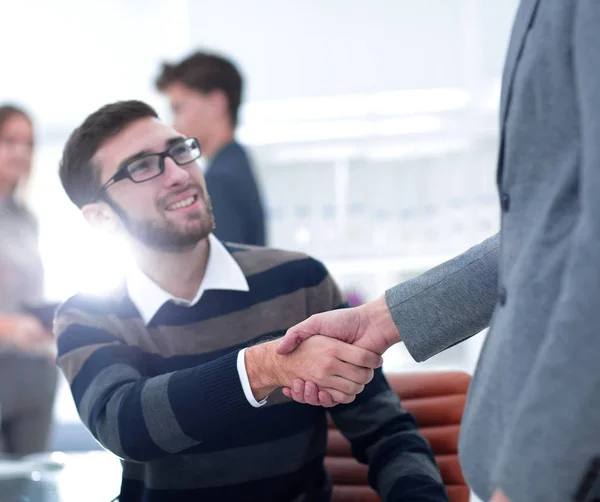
(385, 436)
(137, 417)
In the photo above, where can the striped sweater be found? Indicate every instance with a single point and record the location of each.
(166, 397)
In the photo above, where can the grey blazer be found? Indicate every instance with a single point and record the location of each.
(532, 422)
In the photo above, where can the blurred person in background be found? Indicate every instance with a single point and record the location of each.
(205, 92)
(27, 371)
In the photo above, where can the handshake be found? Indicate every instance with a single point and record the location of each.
(326, 359)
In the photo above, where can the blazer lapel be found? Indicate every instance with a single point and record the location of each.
(523, 21)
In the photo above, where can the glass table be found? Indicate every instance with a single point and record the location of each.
(59, 477)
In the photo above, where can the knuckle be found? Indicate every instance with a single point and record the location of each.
(327, 402)
(358, 388)
(363, 376)
(345, 398)
(329, 365)
(350, 399)
(371, 361)
(337, 396)
(370, 376)
(314, 400)
(351, 388)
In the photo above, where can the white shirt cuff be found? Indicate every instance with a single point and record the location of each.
(241, 367)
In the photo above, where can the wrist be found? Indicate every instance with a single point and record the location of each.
(380, 317)
(260, 361)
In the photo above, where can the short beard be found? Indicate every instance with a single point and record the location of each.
(165, 237)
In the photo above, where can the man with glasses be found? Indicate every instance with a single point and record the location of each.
(177, 372)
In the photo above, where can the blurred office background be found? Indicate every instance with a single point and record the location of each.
(373, 125)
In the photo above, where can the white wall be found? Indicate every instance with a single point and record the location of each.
(65, 58)
(329, 47)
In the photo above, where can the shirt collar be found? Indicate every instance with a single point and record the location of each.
(222, 272)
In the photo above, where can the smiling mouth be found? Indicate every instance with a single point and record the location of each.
(182, 204)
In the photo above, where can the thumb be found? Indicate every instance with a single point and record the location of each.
(297, 334)
(292, 339)
(340, 324)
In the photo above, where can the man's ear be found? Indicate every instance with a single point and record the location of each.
(220, 101)
(100, 216)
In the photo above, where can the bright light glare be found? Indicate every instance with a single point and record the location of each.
(82, 260)
(275, 133)
(404, 102)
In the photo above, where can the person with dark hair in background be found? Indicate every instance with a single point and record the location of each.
(27, 371)
(205, 92)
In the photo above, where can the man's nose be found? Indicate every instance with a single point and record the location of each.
(174, 174)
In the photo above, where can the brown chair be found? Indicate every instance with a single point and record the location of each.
(436, 400)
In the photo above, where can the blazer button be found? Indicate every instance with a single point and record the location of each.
(502, 296)
(504, 202)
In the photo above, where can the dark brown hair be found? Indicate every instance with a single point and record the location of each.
(78, 174)
(204, 72)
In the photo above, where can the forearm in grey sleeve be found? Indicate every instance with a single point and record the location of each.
(448, 303)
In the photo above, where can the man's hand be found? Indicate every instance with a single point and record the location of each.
(498, 496)
(340, 369)
(369, 326)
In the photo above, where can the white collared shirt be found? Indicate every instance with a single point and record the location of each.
(222, 272)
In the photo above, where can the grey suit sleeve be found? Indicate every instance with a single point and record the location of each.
(551, 450)
(447, 304)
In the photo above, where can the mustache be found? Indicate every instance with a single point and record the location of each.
(166, 200)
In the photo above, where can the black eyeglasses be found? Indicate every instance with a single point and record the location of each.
(152, 165)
